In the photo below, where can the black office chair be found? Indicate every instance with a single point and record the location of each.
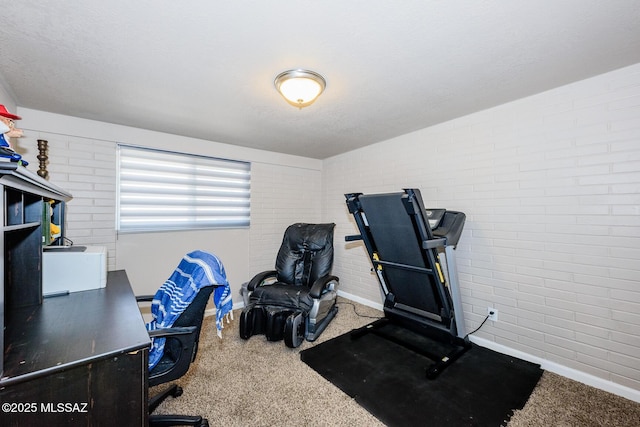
(175, 328)
(179, 351)
(297, 300)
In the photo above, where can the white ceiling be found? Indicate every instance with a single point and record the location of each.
(205, 68)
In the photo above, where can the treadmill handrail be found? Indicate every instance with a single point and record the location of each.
(434, 243)
(402, 266)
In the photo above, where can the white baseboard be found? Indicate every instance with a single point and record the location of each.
(368, 303)
(361, 300)
(547, 365)
(212, 311)
(556, 368)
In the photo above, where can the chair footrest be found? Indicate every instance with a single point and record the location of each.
(267, 320)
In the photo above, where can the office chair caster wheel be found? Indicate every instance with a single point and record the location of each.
(294, 330)
(204, 423)
(177, 391)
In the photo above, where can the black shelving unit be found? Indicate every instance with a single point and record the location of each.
(24, 195)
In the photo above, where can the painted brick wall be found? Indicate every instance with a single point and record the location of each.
(85, 168)
(551, 188)
(280, 196)
(550, 185)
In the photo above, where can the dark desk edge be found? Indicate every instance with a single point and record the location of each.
(115, 279)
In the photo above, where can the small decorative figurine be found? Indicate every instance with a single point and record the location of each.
(8, 119)
(9, 130)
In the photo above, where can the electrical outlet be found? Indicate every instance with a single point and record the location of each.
(492, 313)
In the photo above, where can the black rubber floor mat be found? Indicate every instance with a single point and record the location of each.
(482, 388)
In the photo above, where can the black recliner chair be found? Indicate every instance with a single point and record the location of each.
(297, 300)
(180, 350)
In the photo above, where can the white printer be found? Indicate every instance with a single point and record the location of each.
(73, 269)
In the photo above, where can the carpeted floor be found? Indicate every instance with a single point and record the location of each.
(255, 382)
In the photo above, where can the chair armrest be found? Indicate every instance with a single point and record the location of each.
(144, 298)
(320, 285)
(173, 332)
(259, 278)
(187, 336)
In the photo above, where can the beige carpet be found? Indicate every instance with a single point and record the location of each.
(255, 382)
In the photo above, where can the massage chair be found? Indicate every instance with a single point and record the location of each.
(297, 300)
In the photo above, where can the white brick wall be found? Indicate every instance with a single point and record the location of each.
(85, 168)
(280, 196)
(550, 185)
(551, 188)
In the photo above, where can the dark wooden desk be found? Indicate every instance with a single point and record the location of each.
(78, 359)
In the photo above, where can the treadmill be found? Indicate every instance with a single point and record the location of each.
(411, 250)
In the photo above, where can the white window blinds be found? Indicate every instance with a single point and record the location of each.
(161, 190)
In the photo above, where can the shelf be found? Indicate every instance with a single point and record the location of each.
(20, 178)
(19, 227)
(26, 217)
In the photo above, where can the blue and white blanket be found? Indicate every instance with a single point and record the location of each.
(196, 270)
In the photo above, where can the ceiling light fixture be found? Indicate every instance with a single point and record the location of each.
(300, 88)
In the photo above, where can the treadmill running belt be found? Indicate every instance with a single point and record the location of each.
(397, 242)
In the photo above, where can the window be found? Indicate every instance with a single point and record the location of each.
(162, 190)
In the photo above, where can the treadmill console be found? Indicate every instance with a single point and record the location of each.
(447, 224)
(434, 216)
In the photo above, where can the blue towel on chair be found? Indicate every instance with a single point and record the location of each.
(196, 270)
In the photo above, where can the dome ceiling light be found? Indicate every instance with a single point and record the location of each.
(300, 88)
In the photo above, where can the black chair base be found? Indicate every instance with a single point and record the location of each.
(177, 420)
(172, 420)
(173, 391)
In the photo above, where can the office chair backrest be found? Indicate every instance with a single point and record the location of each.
(306, 253)
(191, 316)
